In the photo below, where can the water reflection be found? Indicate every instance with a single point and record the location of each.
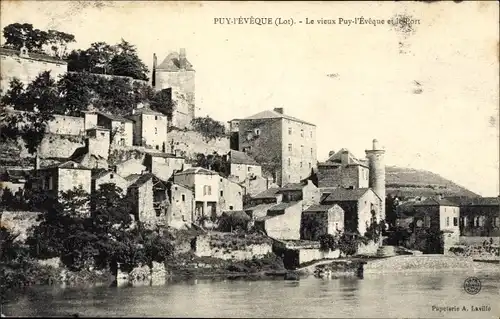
(374, 296)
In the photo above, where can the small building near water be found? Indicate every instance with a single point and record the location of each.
(320, 220)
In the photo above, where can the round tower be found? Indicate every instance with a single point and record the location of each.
(376, 179)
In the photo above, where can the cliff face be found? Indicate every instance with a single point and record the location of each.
(410, 182)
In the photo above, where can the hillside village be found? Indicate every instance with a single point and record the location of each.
(262, 170)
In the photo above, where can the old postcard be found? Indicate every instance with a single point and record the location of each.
(249, 159)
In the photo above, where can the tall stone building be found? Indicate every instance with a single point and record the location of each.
(26, 66)
(376, 165)
(285, 146)
(177, 74)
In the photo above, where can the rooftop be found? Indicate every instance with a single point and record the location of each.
(320, 208)
(435, 202)
(268, 193)
(282, 206)
(292, 187)
(172, 63)
(163, 155)
(339, 156)
(68, 164)
(146, 110)
(237, 157)
(111, 117)
(271, 114)
(345, 195)
(197, 170)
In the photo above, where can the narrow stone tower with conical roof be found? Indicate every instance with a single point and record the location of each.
(376, 166)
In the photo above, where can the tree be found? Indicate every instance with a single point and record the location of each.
(127, 63)
(391, 205)
(110, 208)
(162, 102)
(17, 34)
(42, 94)
(208, 127)
(58, 42)
(15, 95)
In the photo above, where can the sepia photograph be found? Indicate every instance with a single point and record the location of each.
(249, 159)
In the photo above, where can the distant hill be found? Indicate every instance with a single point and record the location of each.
(408, 182)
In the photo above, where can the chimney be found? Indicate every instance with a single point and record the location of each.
(375, 144)
(153, 73)
(344, 158)
(278, 110)
(182, 58)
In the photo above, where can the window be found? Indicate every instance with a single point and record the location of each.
(157, 147)
(300, 164)
(289, 147)
(230, 207)
(301, 133)
(183, 197)
(156, 130)
(455, 221)
(289, 161)
(257, 132)
(289, 131)
(301, 148)
(427, 221)
(311, 151)
(111, 176)
(102, 134)
(221, 193)
(447, 221)
(156, 118)
(209, 190)
(309, 165)
(249, 168)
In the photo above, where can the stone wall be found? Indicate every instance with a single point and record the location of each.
(19, 223)
(231, 246)
(469, 240)
(54, 145)
(188, 143)
(368, 249)
(307, 255)
(66, 125)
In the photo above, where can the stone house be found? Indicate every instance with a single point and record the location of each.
(260, 203)
(230, 195)
(257, 184)
(182, 205)
(342, 169)
(96, 150)
(282, 221)
(163, 165)
(479, 217)
(61, 177)
(320, 220)
(102, 176)
(120, 128)
(285, 146)
(130, 166)
(306, 192)
(26, 66)
(437, 213)
(150, 202)
(206, 190)
(242, 166)
(177, 74)
(359, 206)
(150, 128)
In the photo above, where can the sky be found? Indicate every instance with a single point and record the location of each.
(430, 95)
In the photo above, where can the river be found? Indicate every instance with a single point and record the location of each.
(375, 296)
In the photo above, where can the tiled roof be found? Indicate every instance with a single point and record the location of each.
(337, 158)
(268, 193)
(79, 154)
(112, 117)
(237, 157)
(132, 178)
(320, 208)
(147, 111)
(163, 155)
(260, 207)
(171, 63)
(475, 201)
(197, 170)
(282, 206)
(435, 202)
(69, 164)
(345, 195)
(271, 114)
(142, 180)
(100, 172)
(292, 187)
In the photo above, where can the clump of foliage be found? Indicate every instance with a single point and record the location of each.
(52, 42)
(214, 162)
(374, 230)
(235, 221)
(100, 239)
(119, 59)
(208, 127)
(347, 244)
